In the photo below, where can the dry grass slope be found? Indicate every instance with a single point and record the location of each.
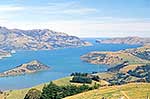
(128, 91)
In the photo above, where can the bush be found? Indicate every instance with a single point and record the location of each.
(80, 79)
(51, 91)
(79, 74)
(33, 94)
(95, 77)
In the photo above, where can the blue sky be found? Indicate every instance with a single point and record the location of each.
(83, 18)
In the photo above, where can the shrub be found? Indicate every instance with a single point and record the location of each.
(80, 79)
(33, 94)
(51, 91)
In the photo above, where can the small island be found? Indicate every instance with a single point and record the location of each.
(31, 67)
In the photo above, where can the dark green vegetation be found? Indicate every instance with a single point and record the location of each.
(33, 94)
(119, 79)
(53, 91)
(142, 52)
(141, 72)
(79, 74)
(81, 79)
(143, 55)
(118, 67)
(84, 77)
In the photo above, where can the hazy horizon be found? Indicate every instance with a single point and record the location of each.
(82, 18)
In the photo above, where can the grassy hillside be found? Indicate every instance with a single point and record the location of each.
(20, 94)
(132, 56)
(128, 91)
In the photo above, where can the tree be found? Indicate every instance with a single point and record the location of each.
(148, 77)
(51, 91)
(33, 94)
(80, 79)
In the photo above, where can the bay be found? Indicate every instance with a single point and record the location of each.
(62, 62)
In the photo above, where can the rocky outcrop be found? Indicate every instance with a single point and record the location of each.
(126, 40)
(37, 39)
(31, 67)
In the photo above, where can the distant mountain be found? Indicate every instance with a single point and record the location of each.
(31, 67)
(37, 39)
(126, 40)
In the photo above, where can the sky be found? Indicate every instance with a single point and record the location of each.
(82, 18)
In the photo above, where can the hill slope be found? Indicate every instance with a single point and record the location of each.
(132, 56)
(127, 91)
(36, 39)
(126, 40)
(20, 94)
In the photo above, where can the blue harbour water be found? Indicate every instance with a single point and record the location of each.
(62, 62)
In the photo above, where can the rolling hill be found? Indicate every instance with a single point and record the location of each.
(37, 39)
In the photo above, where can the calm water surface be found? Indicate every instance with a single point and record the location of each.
(62, 63)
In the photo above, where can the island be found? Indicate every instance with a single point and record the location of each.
(31, 67)
(126, 40)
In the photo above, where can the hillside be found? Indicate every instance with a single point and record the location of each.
(20, 94)
(37, 39)
(126, 66)
(141, 52)
(127, 91)
(132, 56)
(125, 40)
(31, 67)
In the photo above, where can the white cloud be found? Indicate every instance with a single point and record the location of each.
(91, 27)
(71, 7)
(5, 8)
(79, 11)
